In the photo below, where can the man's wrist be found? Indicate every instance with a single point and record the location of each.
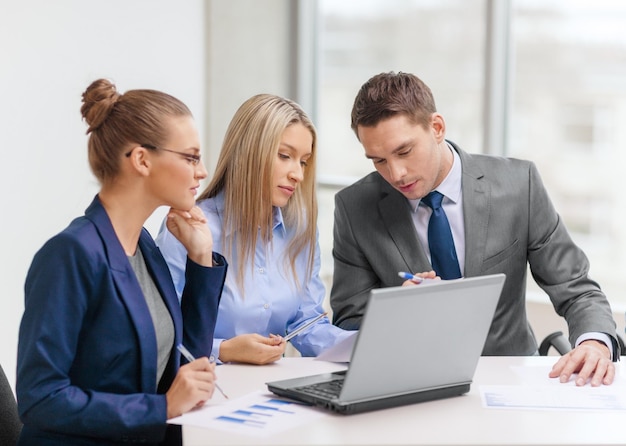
(601, 345)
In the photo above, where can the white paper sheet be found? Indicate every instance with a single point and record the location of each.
(340, 352)
(552, 398)
(537, 391)
(259, 413)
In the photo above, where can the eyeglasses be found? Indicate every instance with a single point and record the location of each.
(193, 159)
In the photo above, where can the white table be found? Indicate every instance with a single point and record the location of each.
(454, 421)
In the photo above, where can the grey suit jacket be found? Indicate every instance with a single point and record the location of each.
(510, 223)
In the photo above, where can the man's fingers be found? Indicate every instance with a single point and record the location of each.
(590, 363)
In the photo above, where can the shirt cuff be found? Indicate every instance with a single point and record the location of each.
(215, 353)
(596, 336)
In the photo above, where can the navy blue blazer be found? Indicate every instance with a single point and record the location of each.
(87, 353)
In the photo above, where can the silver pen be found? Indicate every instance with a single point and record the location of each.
(300, 329)
(189, 357)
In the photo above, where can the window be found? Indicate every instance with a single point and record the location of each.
(440, 41)
(567, 99)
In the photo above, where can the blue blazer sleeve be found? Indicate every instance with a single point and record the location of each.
(199, 304)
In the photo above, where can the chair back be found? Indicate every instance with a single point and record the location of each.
(10, 424)
(556, 340)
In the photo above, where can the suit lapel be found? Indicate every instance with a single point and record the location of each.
(476, 201)
(129, 292)
(396, 214)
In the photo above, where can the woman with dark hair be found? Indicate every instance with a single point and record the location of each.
(97, 358)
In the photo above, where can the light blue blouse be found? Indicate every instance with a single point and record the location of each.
(270, 302)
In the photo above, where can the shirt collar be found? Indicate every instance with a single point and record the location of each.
(450, 187)
(278, 219)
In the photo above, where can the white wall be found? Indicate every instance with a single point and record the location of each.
(211, 54)
(49, 52)
(248, 45)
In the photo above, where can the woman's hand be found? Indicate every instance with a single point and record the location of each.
(252, 349)
(192, 387)
(191, 229)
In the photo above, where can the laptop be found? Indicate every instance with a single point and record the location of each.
(416, 343)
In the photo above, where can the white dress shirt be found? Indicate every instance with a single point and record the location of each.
(270, 302)
(452, 205)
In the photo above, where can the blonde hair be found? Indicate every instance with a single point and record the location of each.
(244, 174)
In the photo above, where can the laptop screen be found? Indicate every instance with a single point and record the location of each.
(429, 335)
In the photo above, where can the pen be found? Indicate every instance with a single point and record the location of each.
(189, 357)
(303, 327)
(409, 276)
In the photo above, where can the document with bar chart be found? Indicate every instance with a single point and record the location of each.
(260, 413)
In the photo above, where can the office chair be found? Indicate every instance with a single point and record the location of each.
(10, 424)
(556, 340)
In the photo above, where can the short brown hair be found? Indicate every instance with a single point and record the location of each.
(118, 120)
(389, 94)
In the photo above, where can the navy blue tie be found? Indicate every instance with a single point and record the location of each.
(440, 242)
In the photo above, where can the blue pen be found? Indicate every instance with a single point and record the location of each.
(409, 276)
(189, 357)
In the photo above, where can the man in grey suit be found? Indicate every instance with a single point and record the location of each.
(501, 220)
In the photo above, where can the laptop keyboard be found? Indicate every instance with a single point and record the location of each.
(328, 389)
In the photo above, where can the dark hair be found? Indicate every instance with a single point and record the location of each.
(117, 121)
(389, 94)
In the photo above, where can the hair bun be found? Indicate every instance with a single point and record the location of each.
(98, 101)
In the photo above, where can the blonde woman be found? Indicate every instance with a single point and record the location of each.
(262, 211)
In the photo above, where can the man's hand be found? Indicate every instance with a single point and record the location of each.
(424, 275)
(591, 359)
